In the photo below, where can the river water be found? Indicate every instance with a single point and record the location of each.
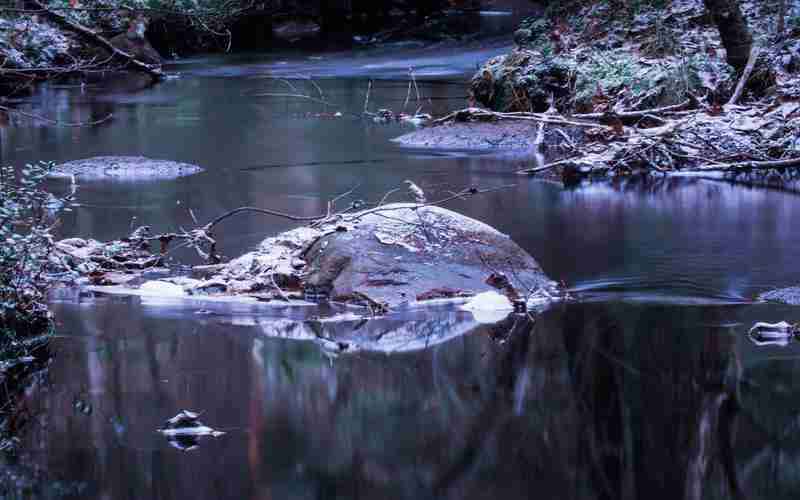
(647, 387)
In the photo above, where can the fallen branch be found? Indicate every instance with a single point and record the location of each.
(263, 211)
(536, 170)
(464, 114)
(154, 71)
(750, 165)
(467, 113)
(629, 115)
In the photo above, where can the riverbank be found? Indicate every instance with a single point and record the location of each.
(26, 323)
(657, 97)
(49, 40)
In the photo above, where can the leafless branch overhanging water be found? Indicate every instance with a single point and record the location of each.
(202, 237)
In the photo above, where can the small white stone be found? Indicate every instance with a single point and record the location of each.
(489, 307)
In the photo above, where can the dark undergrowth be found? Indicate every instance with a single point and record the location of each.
(27, 218)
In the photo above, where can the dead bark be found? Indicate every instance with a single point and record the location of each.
(733, 30)
(95, 39)
(748, 70)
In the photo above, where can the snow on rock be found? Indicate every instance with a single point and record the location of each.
(488, 301)
(401, 252)
(489, 307)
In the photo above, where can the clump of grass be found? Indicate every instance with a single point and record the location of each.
(669, 82)
(611, 72)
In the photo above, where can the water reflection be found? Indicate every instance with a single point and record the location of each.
(589, 401)
(686, 240)
(593, 400)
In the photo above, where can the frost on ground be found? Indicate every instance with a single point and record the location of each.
(31, 43)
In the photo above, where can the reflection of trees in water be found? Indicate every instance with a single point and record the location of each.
(659, 407)
(655, 402)
(591, 401)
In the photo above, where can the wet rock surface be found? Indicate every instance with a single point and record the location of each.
(474, 135)
(404, 251)
(124, 168)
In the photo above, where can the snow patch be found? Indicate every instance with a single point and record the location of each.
(489, 307)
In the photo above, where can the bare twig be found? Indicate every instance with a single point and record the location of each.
(296, 96)
(263, 211)
(535, 170)
(464, 193)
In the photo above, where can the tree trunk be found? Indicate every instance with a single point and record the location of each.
(781, 17)
(733, 31)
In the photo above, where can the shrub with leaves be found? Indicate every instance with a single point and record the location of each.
(26, 219)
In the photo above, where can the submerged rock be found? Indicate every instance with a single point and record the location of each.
(123, 168)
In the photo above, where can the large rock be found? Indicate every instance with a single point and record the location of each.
(124, 168)
(404, 252)
(386, 258)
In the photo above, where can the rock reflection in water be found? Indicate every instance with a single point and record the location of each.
(589, 401)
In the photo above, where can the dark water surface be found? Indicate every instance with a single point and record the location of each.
(648, 388)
